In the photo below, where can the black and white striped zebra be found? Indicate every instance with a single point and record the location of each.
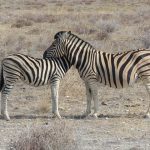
(33, 71)
(115, 70)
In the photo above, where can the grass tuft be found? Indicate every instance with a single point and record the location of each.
(58, 135)
(146, 40)
(21, 23)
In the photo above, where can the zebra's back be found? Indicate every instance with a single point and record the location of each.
(33, 71)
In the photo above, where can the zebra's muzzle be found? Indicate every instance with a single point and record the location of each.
(44, 55)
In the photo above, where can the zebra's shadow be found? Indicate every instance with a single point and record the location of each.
(28, 117)
(77, 117)
(107, 116)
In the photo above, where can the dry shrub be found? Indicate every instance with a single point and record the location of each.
(34, 31)
(13, 45)
(21, 23)
(56, 136)
(40, 18)
(105, 27)
(146, 40)
(139, 16)
(128, 19)
(84, 29)
(35, 4)
(59, 4)
(102, 35)
(88, 2)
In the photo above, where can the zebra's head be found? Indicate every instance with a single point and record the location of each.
(58, 47)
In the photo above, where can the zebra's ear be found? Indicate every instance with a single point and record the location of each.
(66, 35)
(56, 36)
(62, 35)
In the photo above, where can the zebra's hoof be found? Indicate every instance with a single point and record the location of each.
(86, 114)
(6, 117)
(56, 116)
(95, 116)
(147, 116)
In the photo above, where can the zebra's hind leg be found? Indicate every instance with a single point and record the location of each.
(147, 85)
(4, 97)
(54, 95)
(89, 99)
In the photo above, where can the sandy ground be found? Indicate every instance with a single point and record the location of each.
(120, 125)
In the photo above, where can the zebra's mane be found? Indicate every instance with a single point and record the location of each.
(116, 53)
(60, 33)
(91, 46)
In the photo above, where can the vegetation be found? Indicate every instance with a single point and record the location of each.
(58, 135)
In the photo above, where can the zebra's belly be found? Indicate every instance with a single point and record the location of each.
(116, 82)
(120, 82)
(36, 83)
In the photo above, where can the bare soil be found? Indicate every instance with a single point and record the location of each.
(120, 124)
(29, 27)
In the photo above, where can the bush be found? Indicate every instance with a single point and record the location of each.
(102, 35)
(41, 18)
(105, 27)
(146, 40)
(84, 30)
(21, 23)
(56, 136)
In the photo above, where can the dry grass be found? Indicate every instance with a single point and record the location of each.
(146, 40)
(59, 135)
(29, 26)
(21, 23)
(44, 106)
(41, 18)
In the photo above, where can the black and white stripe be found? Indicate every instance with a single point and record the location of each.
(115, 70)
(33, 71)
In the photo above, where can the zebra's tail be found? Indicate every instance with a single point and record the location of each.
(1, 79)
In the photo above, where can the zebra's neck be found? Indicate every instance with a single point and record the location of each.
(79, 52)
(63, 62)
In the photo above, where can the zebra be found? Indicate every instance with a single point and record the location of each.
(32, 71)
(116, 70)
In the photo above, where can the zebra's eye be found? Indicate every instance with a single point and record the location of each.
(54, 44)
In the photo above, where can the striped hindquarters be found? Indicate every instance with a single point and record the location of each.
(122, 69)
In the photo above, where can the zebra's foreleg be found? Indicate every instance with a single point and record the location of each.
(89, 99)
(147, 85)
(4, 97)
(95, 98)
(54, 95)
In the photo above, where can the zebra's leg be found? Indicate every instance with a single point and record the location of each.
(94, 91)
(89, 99)
(54, 95)
(147, 85)
(4, 97)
